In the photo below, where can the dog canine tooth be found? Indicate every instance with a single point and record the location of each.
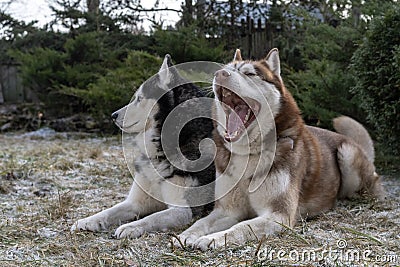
(226, 93)
(247, 116)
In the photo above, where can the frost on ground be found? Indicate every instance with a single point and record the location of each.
(49, 181)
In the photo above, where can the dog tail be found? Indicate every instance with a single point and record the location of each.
(353, 129)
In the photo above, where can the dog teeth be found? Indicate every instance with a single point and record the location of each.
(247, 116)
(235, 133)
(226, 93)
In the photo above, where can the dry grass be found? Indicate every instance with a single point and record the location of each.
(45, 185)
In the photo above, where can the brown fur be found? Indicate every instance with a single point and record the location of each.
(311, 168)
(356, 131)
(223, 155)
(313, 161)
(314, 168)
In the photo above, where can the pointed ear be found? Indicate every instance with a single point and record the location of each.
(167, 62)
(273, 61)
(237, 56)
(164, 71)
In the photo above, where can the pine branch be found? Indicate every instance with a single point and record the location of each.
(153, 9)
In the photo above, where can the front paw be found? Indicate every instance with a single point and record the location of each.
(94, 224)
(185, 241)
(210, 242)
(129, 230)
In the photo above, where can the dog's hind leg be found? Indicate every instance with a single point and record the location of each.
(357, 173)
(160, 221)
(137, 204)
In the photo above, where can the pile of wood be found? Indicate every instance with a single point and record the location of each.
(30, 117)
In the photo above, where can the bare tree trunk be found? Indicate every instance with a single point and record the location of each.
(93, 6)
(356, 13)
(188, 13)
(93, 9)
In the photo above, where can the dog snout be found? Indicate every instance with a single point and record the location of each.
(222, 74)
(114, 116)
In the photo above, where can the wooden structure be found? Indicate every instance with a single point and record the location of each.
(256, 37)
(11, 88)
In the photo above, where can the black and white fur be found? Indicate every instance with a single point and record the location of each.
(151, 191)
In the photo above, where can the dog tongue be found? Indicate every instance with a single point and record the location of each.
(235, 120)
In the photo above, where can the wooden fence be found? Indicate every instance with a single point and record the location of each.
(11, 88)
(256, 37)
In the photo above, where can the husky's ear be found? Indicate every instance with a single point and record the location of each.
(273, 61)
(167, 62)
(237, 56)
(165, 72)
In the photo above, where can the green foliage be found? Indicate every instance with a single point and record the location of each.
(48, 71)
(376, 65)
(86, 59)
(184, 45)
(41, 68)
(18, 35)
(114, 90)
(64, 77)
(322, 87)
(95, 65)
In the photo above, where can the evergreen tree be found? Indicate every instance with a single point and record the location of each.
(376, 64)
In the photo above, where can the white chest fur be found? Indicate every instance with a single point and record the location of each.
(250, 182)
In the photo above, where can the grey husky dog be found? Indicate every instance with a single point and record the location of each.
(163, 195)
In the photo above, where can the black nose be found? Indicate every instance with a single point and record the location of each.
(114, 116)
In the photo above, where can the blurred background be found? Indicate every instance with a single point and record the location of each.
(67, 64)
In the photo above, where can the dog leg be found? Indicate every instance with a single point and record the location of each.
(250, 230)
(160, 221)
(228, 211)
(138, 203)
(217, 220)
(358, 173)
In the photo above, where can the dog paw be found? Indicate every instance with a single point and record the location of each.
(209, 242)
(129, 230)
(187, 241)
(205, 243)
(93, 224)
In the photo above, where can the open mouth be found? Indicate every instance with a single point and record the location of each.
(240, 112)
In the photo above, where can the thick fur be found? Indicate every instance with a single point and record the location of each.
(310, 170)
(151, 194)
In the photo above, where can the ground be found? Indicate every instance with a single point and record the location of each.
(47, 181)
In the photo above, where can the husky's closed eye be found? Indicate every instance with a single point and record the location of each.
(250, 74)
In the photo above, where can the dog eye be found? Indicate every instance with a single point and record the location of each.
(249, 74)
